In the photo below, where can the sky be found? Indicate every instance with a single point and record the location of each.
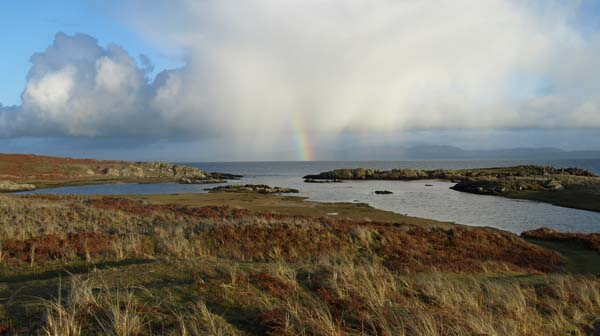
(224, 80)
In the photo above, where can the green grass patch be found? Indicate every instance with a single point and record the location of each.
(580, 260)
(565, 198)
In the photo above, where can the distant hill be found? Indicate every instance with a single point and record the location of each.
(444, 152)
(451, 152)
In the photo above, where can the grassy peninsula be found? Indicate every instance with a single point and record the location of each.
(20, 172)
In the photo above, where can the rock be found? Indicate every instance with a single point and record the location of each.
(477, 187)
(310, 180)
(225, 176)
(383, 192)
(9, 186)
(160, 170)
(90, 172)
(571, 171)
(252, 188)
(208, 180)
(372, 174)
(344, 174)
(163, 169)
(136, 171)
(111, 172)
(553, 185)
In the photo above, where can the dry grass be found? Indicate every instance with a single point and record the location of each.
(98, 307)
(198, 320)
(42, 230)
(19, 166)
(350, 299)
(167, 269)
(369, 300)
(589, 240)
(344, 299)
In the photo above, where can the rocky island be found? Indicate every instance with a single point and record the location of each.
(570, 187)
(253, 188)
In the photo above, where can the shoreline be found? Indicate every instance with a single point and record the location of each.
(48, 185)
(566, 187)
(467, 215)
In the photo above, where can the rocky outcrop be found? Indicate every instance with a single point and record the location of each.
(449, 174)
(507, 185)
(9, 186)
(570, 171)
(154, 170)
(207, 180)
(253, 188)
(480, 187)
(225, 176)
(162, 170)
(383, 192)
(311, 180)
(372, 174)
(553, 185)
(210, 178)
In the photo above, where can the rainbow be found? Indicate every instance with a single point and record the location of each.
(304, 148)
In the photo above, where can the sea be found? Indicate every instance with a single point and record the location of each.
(427, 199)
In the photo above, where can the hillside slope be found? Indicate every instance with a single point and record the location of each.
(22, 171)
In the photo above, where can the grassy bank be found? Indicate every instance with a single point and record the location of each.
(576, 199)
(20, 172)
(248, 264)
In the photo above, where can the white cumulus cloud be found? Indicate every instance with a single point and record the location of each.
(257, 69)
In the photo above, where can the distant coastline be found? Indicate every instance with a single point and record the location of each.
(446, 152)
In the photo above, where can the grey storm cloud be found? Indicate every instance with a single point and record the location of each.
(270, 68)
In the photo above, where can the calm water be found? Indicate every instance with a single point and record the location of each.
(412, 198)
